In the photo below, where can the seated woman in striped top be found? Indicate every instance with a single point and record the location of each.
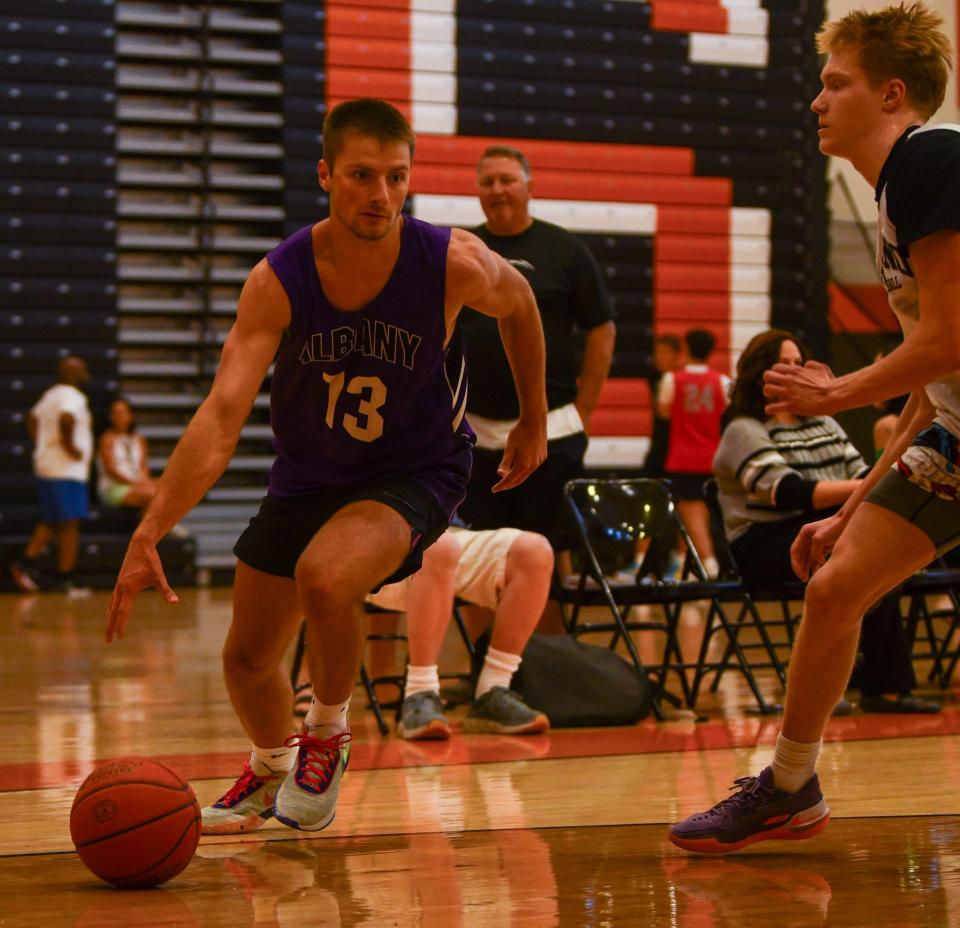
(774, 475)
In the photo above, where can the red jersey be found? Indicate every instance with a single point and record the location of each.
(698, 403)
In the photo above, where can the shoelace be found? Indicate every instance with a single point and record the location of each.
(747, 788)
(319, 759)
(247, 782)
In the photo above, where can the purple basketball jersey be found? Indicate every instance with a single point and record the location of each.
(358, 397)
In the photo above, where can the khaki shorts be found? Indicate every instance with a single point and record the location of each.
(480, 571)
(937, 517)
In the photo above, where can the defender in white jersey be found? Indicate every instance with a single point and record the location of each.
(885, 76)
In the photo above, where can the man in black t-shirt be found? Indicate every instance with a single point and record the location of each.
(572, 300)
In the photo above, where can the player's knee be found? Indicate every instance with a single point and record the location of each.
(831, 600)
(530, 555)
(326, 589)
(249, 663)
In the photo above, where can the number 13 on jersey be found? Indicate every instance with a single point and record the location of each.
(367, 424)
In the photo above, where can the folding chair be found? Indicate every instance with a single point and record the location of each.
(937, 579)
(369, 683)
(612, 517)
(748, 595)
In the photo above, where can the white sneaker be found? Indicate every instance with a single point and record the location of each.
(307, 799)
(244, 807)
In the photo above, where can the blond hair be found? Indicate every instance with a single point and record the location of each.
(903, 42)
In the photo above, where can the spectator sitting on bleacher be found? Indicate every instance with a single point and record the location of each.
(776, 474)
(504, 570)
(124, 476)
(60, 426)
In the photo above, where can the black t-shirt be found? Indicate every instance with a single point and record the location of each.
(921, 180)
(571, 296)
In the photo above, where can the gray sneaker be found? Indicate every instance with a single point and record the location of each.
(502, 712)
(422, 718)
(307, 798)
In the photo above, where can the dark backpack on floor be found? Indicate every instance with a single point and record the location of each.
(577, 684)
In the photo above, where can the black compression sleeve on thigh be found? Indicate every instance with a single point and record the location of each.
(793, 492)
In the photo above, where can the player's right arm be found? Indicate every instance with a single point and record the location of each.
(208, 443)
(929, 351)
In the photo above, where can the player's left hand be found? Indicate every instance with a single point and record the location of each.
(813, 544)
(804, 391)
(525, 451)
(141, 568)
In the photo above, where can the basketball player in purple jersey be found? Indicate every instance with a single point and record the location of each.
(885, 76)
(372, 449)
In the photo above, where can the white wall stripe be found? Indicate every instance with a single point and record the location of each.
(435, 118)
(741, 333)
(750, 307)
(433, 56)
(610, 451)
(577, 216)
(710, 48)
(749, 279)
(749, 249)
(430, 87)
(433, 27)
(749, 221)
(741, 21)
(433, 6)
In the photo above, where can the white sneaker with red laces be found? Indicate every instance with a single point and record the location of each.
(307, 799)
(245, 806)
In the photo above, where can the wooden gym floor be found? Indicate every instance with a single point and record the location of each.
(567, 829)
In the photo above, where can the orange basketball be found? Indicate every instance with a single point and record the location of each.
(134, 822)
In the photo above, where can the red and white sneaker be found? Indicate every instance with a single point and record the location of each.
(245, 806)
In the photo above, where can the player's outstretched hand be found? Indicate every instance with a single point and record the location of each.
(525, 451)
(804, 391)
(813, 545)
(141, 569)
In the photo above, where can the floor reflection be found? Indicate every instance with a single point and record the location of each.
(901, 872)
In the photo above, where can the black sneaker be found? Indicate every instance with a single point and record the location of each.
(905, 704)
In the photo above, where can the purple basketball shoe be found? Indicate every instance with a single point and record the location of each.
(758, 811)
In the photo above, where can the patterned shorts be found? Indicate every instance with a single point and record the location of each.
(932, 462)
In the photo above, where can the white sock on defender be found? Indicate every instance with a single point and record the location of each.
(794, 763)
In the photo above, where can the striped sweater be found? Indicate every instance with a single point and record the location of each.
(753, 457)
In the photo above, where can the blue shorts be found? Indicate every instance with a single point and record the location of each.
(62, 500)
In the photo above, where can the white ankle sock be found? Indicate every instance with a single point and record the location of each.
(330, 719)
(498, 669)
(422, 680)
(272, 760)
(794, 763)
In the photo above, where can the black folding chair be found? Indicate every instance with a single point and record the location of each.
(613, 517)
(749, 595)
(938, 579)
